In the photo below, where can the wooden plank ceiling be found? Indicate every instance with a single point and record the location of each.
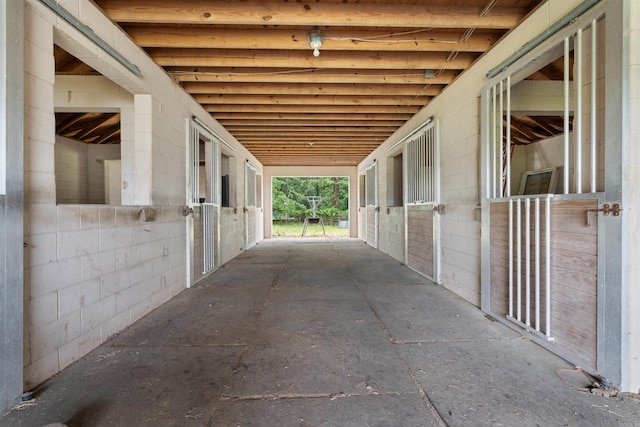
(250, 64)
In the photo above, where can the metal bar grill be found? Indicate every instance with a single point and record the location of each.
(524, 299)
(422, 167)
(208, 236)
(194, 153)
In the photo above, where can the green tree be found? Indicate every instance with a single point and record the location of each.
(290, 197)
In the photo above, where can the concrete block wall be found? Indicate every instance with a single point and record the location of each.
(92, 270)
(390, 219)
(96, 155)
(392, 231)
(72, 179)
(80, 170)
(232, 237)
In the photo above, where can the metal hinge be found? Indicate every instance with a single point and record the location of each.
(606, 210)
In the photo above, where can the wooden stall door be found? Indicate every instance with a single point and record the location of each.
(250, 226)
(570, 328)
(372, 226)
(421, 242)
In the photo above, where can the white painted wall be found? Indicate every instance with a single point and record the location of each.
(72, 180)
(108, 266)
(79, 170)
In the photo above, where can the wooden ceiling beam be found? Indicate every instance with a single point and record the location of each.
(297, 39)
(311, 161)
(287, 75)
(286, 123)
(256, 148)
(286, 139)
(283, 119)
(303, 101)
(317, 136)
(309, 109)
(309, 14)
(310, 89)
(364, 128)
(167, 57)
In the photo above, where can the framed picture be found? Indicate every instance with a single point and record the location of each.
(541, 181)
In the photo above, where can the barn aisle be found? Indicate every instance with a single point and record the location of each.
(318, 332)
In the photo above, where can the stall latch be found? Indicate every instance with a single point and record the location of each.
(606, 210)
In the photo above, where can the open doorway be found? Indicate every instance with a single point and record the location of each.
(310, 206)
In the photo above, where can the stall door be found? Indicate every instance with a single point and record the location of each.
(203, 209)
(422, 207)
(251, 210)
(551, 234)
(372, 209)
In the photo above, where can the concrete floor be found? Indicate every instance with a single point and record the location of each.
(315, 332)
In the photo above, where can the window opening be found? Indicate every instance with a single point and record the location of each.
(87, 157)
(228, 180)
(370, 186)
(548, 122)
(394, 181)
(422, 167)
(250, 178)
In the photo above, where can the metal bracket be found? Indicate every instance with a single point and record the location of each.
(606, 210)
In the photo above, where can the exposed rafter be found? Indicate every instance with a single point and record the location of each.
(250, 64)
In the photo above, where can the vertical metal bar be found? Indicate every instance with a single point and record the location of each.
(566, 116)
(430, 166)
(421, 168)
(519, 260)
(510, 257)
(411, 177)
(508, 148)
(594, 107)
(423, 165)
(493, 142)
(196, 164)
(434, 164)
(537, 266)
(414, 171)
(577, 118)
(501, 138)
(547, 268)
(205, 239)
(527, 252)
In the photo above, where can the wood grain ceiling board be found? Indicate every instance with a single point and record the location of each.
(250, 65)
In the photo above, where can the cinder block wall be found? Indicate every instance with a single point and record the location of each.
(92, 270)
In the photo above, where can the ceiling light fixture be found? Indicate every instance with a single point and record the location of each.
(315, 41)
(429, 74)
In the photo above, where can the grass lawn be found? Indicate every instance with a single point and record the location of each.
(294, 229)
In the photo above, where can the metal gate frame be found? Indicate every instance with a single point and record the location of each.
(433, 191)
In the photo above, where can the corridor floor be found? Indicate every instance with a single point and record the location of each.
(315, 332)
